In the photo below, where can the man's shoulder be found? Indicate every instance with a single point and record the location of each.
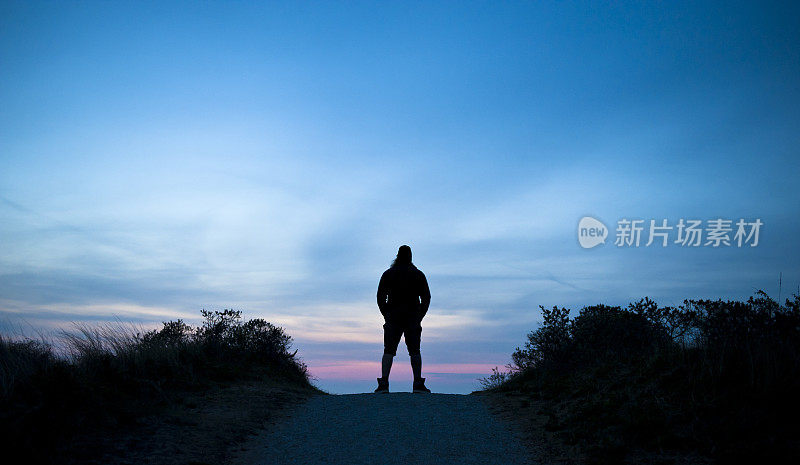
(403, 270)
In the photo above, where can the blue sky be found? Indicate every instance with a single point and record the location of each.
(157, 158)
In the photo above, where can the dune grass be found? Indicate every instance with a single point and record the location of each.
(110, 375)
(706, 381)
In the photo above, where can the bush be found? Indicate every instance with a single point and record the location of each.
(496, 379)
(20, 361)
(716, 378)
(602, 332)
(546, 344)
(753, 344)
(111, 373)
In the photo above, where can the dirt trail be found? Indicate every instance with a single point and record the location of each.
(396, 428)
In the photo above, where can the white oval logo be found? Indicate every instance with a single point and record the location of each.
(591, 232)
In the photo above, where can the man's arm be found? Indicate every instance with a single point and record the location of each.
(383, 294)
(424, 295)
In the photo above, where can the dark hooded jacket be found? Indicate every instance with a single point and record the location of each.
(403, 294)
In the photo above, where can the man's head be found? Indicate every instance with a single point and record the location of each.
(403, 256)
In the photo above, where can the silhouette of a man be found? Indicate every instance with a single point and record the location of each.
(403, 299)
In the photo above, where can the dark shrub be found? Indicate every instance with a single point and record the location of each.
(601, 332)
(715, 380)
(547, 343)
(20, 361)
(173, 333)
(111, 374)
(755, 342)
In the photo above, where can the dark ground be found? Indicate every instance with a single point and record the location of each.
(198, 428)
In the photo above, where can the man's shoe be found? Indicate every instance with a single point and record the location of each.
(383, 386)
(419, 386)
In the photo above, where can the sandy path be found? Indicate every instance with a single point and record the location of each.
(397, 428)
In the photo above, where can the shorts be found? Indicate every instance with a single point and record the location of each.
(392, 333)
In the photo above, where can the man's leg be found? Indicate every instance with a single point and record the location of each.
(413, 336)
(386, 365)
(416, 365)
(412, 341)
(391, 337)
